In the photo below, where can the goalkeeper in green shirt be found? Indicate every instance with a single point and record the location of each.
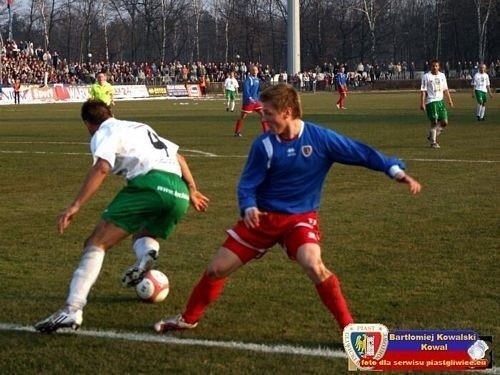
(102, 90)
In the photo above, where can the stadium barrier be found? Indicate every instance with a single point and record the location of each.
(79, 93)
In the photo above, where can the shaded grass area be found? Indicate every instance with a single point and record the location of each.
(429, 261)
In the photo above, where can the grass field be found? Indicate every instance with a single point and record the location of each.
(410, 262)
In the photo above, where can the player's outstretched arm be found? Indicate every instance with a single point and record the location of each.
(413, 185)
(95, 177)
(197, 199)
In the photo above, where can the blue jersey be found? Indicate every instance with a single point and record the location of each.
(251, 88)
(341, 79)
(288, 176)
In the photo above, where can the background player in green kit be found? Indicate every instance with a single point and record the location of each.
(480, 90)
(433, 88)
(157, 195)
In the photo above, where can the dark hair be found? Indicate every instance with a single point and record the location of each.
(95, 112)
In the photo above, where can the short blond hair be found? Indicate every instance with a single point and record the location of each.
(281, 97)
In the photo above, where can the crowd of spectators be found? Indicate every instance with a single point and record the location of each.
(39, 67)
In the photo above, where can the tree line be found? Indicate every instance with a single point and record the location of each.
(255, 30)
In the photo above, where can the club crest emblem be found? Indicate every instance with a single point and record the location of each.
(365, 342)
(307, 150)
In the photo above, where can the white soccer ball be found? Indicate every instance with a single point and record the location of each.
(154, 287)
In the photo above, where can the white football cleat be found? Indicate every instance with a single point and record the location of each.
(135, 274)
(64, 318)
(173, 323)
(435, 145)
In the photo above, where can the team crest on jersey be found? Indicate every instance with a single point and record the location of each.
(365, 341)
(307, 150)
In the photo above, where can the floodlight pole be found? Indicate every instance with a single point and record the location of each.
(293, 38)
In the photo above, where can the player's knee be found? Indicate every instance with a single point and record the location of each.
(316, 270)
(216, 272)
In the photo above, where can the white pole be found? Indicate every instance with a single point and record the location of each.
(293, 42)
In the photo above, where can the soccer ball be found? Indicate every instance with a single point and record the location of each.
(154, 287)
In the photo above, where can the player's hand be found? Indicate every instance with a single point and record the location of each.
(199, 201)
(422, 107)
(252, 217)
(413, 185)
(451, 104)
(66, 217)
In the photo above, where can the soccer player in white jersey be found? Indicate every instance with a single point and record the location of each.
(231, 88)
(432, 91)
(279, 196)
(159, 189)
(480, 89)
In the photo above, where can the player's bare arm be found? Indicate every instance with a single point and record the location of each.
(422, 100)
(448, 96)
(95, 177)
(197, 199)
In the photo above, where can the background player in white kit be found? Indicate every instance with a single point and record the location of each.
(480, 89)
(231, 88)
(157, 195)
(433, 88)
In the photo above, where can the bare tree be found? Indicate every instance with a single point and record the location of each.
(483, 10)
(372, 9)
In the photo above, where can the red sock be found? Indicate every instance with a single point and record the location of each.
(239, 125)
(331, 296)
(265, 126)
(205, 292)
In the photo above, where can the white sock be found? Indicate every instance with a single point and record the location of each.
(85, 276)
(433, 134)
(143, 245)
(483, 110)
(478, 110)
(232, 105)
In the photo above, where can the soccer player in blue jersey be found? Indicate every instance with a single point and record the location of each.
(341, 82)
(279, 194)
(251, 103)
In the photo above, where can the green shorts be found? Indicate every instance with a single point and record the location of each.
(436, 111)
(154, 202)
(230, 94)
(481, 97)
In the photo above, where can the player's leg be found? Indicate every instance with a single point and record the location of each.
(326, 282)
(233, 100)
(156, 213)
(432, 114)
(228, 100)
(339, 102)
(483, 97)
(146, 249)
(104, 236)
(206, 291)
(241, 246)
(265, 125)
(239, 124)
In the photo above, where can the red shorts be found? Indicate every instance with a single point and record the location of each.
(289, 230)
(252, 107)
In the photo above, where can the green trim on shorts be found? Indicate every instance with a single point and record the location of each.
(155, 202)
(230, 94)
(436, 111)
(481, 96)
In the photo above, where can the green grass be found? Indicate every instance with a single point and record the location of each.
(413, 262)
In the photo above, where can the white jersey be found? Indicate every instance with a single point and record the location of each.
(434, 85)
(231, 84)
(133, 149)
(481, 81)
